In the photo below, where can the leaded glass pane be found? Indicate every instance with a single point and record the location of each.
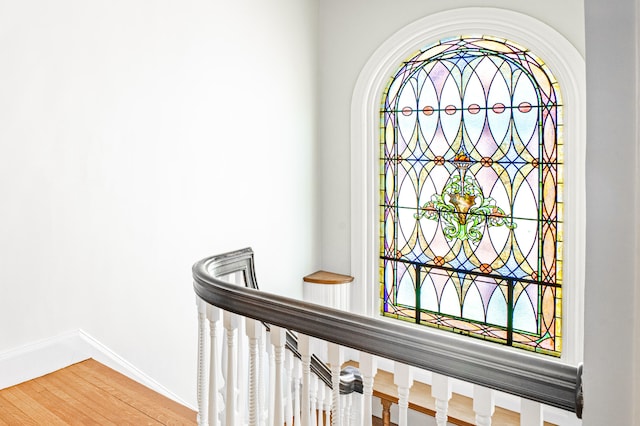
(470, 190)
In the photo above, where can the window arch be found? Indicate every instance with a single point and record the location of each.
(367, 185)
(471, 201)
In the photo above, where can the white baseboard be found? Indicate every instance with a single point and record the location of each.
(48, 355)
(42, 357)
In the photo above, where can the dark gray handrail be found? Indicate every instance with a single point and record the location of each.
(522, 374)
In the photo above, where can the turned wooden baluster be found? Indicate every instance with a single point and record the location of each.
(356, 411)
(278, 340)
(213, 315)
(368, 369)
(254, 332)
(272, 379)
(386, 412)
(483, 405)
(242, 373)
(403, 378)
(231, 322)
(307, 404)
(263, 357)
(327, 404)
(288, 381)
(347, 401)
(297, 383)
(335, 363)
(202, 418)
(530, 413)
(441, 392)
(287, 366)
(315, 401)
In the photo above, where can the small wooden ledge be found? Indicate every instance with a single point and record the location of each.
(324, 277)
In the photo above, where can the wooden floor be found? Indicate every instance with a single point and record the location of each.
(88, 393)
(377, 421)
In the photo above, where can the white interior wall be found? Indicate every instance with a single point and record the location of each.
(612, 203)
(120, 164)
(137, 137)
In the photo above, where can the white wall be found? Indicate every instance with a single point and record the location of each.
(137, 137)
(612, 196)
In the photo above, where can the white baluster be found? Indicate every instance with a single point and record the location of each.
(278, 338)
(327, 404)
(403, 378)
(272, 380)
(348, 402)
(224, 357)
(356, 410)
(483, 405)
(315, 395)
(243, 373)
(368, 369)
(263, 378)
(231, 322)
(335, 363)
(202, 362)
(441, 392)
(305, 398)
(530, 413)
(324, 402)
(213, 315)
(288, 382)
(297, 380)
(254, 331)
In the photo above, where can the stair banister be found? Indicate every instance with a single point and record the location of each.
(528, 376)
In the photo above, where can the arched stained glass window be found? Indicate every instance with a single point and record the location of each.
(471, 193)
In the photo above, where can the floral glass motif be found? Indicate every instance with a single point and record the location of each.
(471, 193)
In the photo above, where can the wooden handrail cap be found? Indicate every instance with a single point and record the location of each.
(324, 277)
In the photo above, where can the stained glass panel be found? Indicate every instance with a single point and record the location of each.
(470, 190)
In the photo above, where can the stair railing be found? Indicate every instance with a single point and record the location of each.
(260, 373)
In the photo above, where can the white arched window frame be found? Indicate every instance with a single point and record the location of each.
(567, 65)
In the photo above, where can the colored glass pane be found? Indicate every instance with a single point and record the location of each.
(471, 184)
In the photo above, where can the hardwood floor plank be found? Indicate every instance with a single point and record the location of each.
(377, 421)
(88, 393)
(12, 415)
(86, 398)
(31, 408)
(67, 413)
(107, 398)
(101, 402)
(156, 406)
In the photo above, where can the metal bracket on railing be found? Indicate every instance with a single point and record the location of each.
(579, 393)
(350, 380)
